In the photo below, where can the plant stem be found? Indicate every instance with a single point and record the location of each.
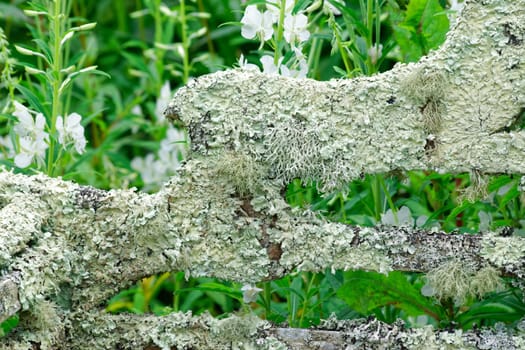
(56, 81)
(306, 299)
(176, 287)
(342, 50)
(267, 298)
(280, 31)
(185, 43)
(159, 53)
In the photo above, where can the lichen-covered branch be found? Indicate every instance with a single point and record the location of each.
(92, 243)
(183, 331)
(455, 111)
(65, 248)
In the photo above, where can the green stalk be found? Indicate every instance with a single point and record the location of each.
(185, 43)
(280, 31)
(142, 31)
(56, 80)
(388, 197)
(342, 51)
(376, 194)
(204, 22)
(267, 289)
(314, 57)
(370, 32)
(159, 53)
(306, 299)
(121, 15)
(369, 21)
(378, 22)
(342, 204)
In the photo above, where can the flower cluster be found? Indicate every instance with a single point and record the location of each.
(249, 293)
(32, 137)
(33, 140)
(155, 169)
(403, 217)
(71, 132)
(260, 25)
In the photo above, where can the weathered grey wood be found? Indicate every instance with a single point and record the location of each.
(67, 248)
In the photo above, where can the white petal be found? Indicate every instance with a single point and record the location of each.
(267, 25)
(73, 119)
(80, 145)
(23, 160)
(40, 122)
(251, 22)
(268, 66)
(60, 129)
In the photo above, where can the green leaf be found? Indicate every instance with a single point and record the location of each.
(366, 291)
(214, 287)
(424, 28)
(139, 302)
(8, 325)
(44, 48)
(137, 62)
(501, 307)
(33, 100)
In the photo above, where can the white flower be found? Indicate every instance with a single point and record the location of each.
(26, 126)
(274, 6)
(249, 293)
(485, 220)
(375, 52)
(7, 150)
(171, 149)
(255, 23)
(155, 169)
(71, 131)
(295, 28)
(151, 171)
(243, 63)
(295, 73)
(137, 110)
(404, 218)
(33, 139)
(299, 68)
(31, 148)
(268, 66)
(162, 102)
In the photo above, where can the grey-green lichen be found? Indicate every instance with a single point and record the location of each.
(427, 90)
(507, 253)
(9, 303)
(242, 171)
(448, 112)
(74, 246)
(176, 330)
(457, 280)
(373, 334)
(477, 188)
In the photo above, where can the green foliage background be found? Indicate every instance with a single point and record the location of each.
(141, 44)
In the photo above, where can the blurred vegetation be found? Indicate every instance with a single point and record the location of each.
(143, 48)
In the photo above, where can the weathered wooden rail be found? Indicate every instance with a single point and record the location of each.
(65, 248)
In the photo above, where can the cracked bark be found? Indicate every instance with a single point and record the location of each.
(67, 248)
